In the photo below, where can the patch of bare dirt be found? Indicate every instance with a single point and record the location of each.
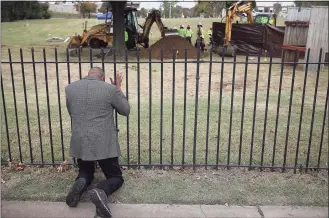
(170, 46)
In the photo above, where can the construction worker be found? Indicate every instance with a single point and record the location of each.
(188, 34)
(181, 31)
(126, 37)
(200, 40)
(210, 35)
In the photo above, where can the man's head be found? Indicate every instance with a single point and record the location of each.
(97, 72)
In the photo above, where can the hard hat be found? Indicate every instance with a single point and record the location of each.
(199, 24)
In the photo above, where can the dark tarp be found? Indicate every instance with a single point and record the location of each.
(251, 39)
(273, 39)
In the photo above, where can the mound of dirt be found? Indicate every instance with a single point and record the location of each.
(168, 44)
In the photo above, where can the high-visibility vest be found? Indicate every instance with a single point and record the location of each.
(182, 32)
(126, 36)
(188, 33)
(210, 32)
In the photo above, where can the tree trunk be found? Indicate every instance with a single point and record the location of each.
(118, 27)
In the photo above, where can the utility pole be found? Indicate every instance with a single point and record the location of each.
(169, 9)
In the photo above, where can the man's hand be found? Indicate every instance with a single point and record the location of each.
(117, 82)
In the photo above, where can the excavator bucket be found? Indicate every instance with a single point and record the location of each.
(74, 42)
(170, 32)
(228, 51)
(74, 45)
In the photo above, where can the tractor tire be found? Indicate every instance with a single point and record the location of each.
(95, 43)
(104, 44)
(130, 44)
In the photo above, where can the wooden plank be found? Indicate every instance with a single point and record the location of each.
(297, 35)
(317, 36)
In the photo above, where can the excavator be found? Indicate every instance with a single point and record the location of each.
(237, 9)
(100, 36)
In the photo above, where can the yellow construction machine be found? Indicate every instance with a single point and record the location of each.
(153, 17)
(97, 36)
(100, 36)
(237, 9)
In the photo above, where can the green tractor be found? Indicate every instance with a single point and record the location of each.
(265, 18)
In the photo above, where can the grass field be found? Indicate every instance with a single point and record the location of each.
(232, 187)
(15, 35)
(34, 33)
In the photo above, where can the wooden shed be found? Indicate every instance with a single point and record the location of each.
(296, 31)
(306, 28)
(317, 37)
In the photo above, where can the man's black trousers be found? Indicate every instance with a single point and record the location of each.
(111, 170)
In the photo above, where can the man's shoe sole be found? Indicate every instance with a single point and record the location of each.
(101, 207)
(73, 198)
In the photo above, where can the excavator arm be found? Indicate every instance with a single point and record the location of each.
(240, 7)
(155, 16)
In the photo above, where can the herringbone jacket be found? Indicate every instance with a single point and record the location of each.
(91, 104)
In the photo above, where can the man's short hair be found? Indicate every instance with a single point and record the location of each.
(97, 71)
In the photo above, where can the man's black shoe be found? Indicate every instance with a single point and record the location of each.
(73, 198)
(99, 198)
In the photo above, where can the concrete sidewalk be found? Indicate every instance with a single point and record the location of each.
(17, 209)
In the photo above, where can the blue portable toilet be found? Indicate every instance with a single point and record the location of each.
(103, 16)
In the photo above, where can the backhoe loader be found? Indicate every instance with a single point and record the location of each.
(100, 36)
(237, 9)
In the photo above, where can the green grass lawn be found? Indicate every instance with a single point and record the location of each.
(15, 35)
(177, 139)
(18, 34)
(34, 33)
(233, 187)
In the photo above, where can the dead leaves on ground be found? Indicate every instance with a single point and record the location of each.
(63, 167)
(18, 167)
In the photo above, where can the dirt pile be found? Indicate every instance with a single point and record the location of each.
(168, 44)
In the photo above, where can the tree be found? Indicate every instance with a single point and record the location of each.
(176, 11)
(310, 3)
(119, 45)
(85, 8)
(203, 8)
(277, 7)
(105, 7)
(19, 10)
(217, 7)
(188, 12)
(142, 12)
(167, 6)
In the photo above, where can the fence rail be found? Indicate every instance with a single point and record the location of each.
(214, 111)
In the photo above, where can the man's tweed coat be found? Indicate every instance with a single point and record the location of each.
(91, 104)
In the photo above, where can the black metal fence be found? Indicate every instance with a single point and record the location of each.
(212, 111)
